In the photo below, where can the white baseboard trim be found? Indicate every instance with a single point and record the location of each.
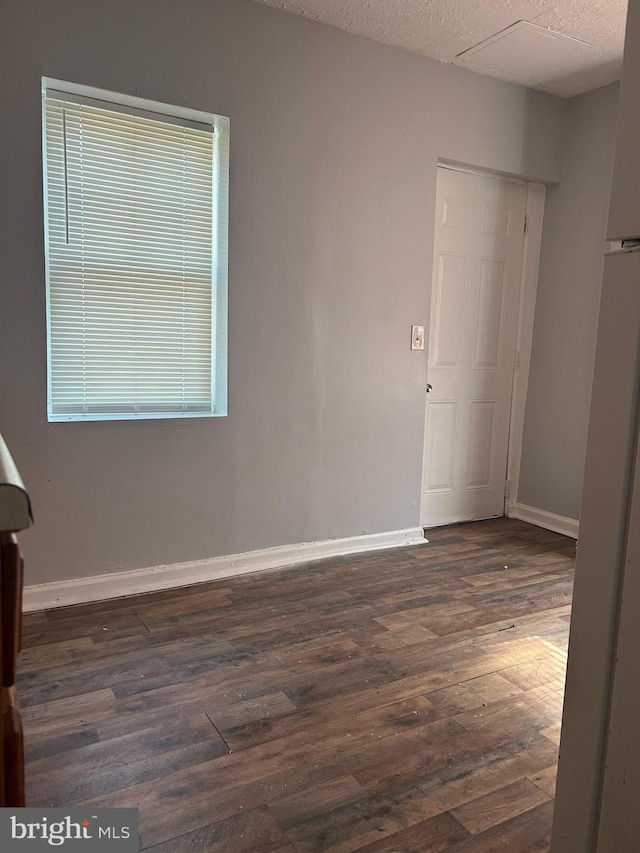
(548, 520)
(102, 587)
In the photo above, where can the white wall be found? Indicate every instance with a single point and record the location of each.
(334, 144)
(557, 412)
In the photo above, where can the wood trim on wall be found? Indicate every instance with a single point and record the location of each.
(524, 338)
(119, 584)
(542, 518)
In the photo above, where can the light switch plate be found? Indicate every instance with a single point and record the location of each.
(417, 337)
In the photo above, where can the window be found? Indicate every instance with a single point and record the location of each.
(136, 197)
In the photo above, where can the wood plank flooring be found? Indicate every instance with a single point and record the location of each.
(397, 702)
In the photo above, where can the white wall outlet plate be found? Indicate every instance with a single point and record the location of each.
(417, 337)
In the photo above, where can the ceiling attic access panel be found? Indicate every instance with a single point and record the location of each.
(527, 52)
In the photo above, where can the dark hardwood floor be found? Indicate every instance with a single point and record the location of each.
(403, 701)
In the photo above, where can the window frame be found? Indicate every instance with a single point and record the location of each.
(175, 115)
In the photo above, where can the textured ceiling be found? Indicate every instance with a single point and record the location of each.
(442, 29)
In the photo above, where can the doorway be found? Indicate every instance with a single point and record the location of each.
(479, 255)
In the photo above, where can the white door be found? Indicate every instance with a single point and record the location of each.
(477, 268)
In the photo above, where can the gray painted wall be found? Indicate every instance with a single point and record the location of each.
(334, 144)
(564, 336)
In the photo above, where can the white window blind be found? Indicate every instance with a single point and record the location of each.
(132, 259)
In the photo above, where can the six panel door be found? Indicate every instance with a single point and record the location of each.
(479, 239)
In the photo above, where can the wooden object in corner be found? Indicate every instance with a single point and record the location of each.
(15, 515)
(12, 747)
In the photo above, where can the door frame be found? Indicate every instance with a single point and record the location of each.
(532, 246)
